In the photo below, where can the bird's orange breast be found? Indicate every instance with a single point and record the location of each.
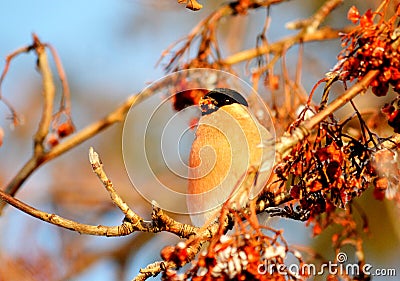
(226, 146)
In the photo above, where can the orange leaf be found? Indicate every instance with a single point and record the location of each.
(353, 14)
(193, 5)
(366, 19)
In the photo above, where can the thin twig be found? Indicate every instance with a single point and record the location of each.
(65, 103)
(100, 230)
(325, 33)
(45, 121)
(97, 167)
(86, 133)
(360, 87)
(9, 58)
(322, 14)
(48, 93)
(153, 270)
(133, 222)
(289, 140)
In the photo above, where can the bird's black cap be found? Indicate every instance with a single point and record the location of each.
(225, 96)
(220, 97)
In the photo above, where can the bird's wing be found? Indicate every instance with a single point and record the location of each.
(227, 145)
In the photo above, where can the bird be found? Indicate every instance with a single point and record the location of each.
(229, 144)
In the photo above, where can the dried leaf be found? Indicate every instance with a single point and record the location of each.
(353, 14)
(193, 5)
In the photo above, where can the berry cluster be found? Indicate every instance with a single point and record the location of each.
(325, 172)
(387, 172)
(338, 167)
(392, 112)
(249, 255)
(372, 46)
(331, 168)
(59, 130)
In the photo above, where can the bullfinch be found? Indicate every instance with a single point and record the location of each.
(229, 145)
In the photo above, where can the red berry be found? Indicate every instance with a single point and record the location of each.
(65, 129)
(52, 140)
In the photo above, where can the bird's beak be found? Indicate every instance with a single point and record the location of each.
(207, 105)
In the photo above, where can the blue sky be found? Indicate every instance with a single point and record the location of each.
(90, 38)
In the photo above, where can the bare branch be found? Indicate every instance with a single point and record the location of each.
(289, 140)
(86, 133)
(48, 97)
(152, 270)
(9, 58)
(311, 24)
(133, 222)
(99, 230)
(97, 167)
(66, 96)
(325, 33)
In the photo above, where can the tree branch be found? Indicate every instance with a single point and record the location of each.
(100, 230)
(325, 33)
(132, 223)
(285, 144)
(48, 93)
(97, 167)
(153, 270)
(86, 133)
